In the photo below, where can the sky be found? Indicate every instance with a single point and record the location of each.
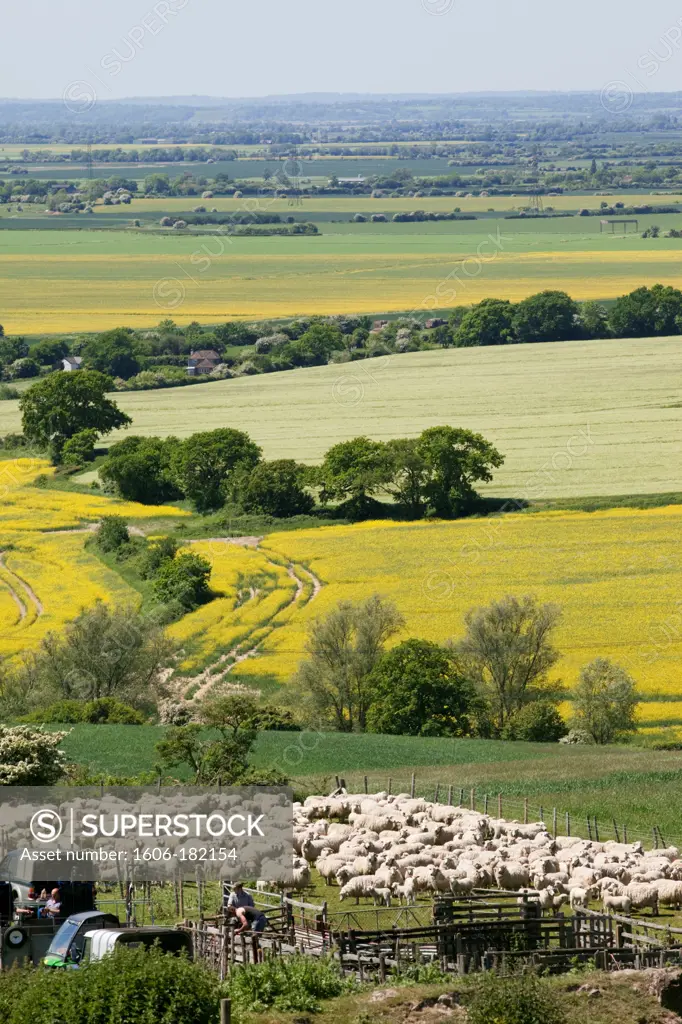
(262, 47)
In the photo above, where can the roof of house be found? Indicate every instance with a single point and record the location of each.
(73, 360)
(204, 364)
(205, 353)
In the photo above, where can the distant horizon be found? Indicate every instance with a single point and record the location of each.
(165, 48)
(322, 95)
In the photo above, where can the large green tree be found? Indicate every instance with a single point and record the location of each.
(64, 404)
(646, 312)
(605, 701)
(488, 323)
(507, 652)
(272, 488)
(418, 690)
(354, 470)
(203, 464)
(342, 650)
(547, 316)
(113, 352)
(455, 460)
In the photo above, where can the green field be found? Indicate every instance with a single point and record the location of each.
(79, 278)
(636, 786)
(532, 401)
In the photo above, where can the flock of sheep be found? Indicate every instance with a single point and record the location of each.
(388, 847)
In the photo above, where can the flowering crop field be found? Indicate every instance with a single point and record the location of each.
(46, 574)
(95, 278)
(617, 576)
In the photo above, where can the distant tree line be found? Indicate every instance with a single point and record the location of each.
(141, 360)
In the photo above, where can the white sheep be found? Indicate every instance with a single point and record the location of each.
(642, 895)
(361, 886)
(578, 898)
(616, 904)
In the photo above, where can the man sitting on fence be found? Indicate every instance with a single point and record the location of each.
(239, 897)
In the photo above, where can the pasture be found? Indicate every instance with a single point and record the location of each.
(639, 787)
(79, 278)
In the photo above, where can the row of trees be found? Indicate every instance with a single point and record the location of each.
(149, 359)
(555, 316)
(435, 472)
(494, 682)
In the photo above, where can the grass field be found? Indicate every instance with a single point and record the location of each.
(89, 279)
(532, 401)
(637, 786)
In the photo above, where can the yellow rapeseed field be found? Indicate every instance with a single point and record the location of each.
(46, 575)
(617, 576)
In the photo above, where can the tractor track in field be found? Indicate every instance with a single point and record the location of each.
(18, 587)
(209, 676)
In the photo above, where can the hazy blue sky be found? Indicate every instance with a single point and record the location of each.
(221, 48)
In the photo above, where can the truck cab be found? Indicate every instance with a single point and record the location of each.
(66, 948)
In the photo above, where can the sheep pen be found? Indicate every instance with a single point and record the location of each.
(383, 849)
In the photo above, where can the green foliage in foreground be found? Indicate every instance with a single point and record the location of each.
(520, 999)
(132, 985)
(297, 983)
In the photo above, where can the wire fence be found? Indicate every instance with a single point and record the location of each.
(559, 821)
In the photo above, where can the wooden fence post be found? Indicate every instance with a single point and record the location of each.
(365, 783)
(390, 786)
(554, 822)
(461, 797)
(412, 785)
(625, 833)
(542, 813)
(568, 823)
(499, 805)
(655, 837)
(615, 830)
(437, 793)
(589, 827)
(449, 796)
(472, 799)
(596, 829)
(525, 810)
(225, 1011)
(485, 804)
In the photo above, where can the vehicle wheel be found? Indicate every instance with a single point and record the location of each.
(15, 937)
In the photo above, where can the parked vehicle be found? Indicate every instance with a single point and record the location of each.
(101, 941)
(66, 948)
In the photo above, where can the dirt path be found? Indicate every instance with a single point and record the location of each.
(20, 585)
(209, 677)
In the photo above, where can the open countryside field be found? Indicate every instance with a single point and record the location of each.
(46, 574)
(83, 279)
(640, 788)
(574, 418)
(624, 565)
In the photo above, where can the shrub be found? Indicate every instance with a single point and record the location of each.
(156, 554)
(80, 448)
(184, 579)
(537, 722)
(520, 999)
(8, 393)
(110, 711)
(30, 757)
(112, 533)
(94, 712)
(130, 985)
(296, 984)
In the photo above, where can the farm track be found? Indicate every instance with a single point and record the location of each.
(17, 586)
(240, 653)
